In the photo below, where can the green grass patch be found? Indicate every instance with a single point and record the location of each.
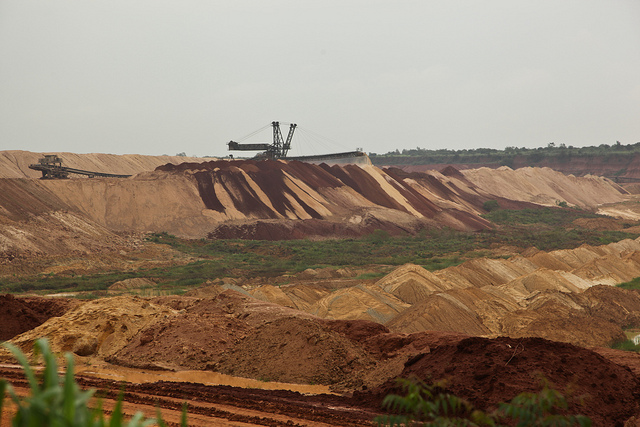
(626, 345)
(631, 284)
(370, 276)
(556, 217)
(547, 229)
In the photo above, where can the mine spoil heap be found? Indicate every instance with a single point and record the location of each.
(484, 325)
(236, 334)
(269, 200)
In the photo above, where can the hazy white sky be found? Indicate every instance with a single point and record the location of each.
(162, 77)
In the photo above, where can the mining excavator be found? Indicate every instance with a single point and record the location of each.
(51, 167)
(280, 147)
(276, 150)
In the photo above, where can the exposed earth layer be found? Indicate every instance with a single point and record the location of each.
(268, 200)
(359, 356)
(482, 325)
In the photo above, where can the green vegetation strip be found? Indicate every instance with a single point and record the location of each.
(547, 229)
(552, 153)
(632, 284)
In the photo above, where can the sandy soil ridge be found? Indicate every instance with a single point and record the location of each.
(275, 200)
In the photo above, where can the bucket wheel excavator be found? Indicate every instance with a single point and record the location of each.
(276, 150)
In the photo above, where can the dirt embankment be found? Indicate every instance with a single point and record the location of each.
(546, 186)
(18, 315)
(232, 334)
(236, 334)
(565, 295)
(275, 200)
(248, 199)
(489, 371)
(98, 328)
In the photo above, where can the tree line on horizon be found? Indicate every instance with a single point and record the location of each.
(530, 156)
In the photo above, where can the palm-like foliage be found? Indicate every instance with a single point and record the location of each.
(59, 402)
(428, 405)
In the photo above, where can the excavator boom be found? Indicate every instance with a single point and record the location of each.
(278, 149)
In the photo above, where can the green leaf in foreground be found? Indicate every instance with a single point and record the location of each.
(431, 405)
(61, 404)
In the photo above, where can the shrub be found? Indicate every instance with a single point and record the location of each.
(56, 402)
(430, 405)
(490, 205)
(378, 236)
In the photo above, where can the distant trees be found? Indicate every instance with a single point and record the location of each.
(527, 156)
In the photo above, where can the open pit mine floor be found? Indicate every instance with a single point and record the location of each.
(483, 371)
(285, 293)
(209, 403)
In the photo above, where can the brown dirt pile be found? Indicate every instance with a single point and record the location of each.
(18, 315)
(489, 371)
(212, 288)
(366, 302)
(134, 283)
(412, 283)
(554, 323)
(54, 232)
(186, 341)
(346, 200)
(301, 296)
(298, 351)
(488, 296)
(600, 224)
(239, 335)
(296, 190)
(390, 350)
(524, 275)
(522, 296)
(268, 200)
(276, 200)
(200, 333)
(286, 229)
(595, 317)
(471, 311)
(98, 328)
(545, 186)
(629, 359)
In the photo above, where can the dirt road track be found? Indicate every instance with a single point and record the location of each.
(221, 405)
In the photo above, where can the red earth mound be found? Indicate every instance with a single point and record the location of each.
(488, 371)
(18, 315)
(382, 344)
(239, 335)
(303, 229)
(197, 336)
(318, 197)
(297, 351)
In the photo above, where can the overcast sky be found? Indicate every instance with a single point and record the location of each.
(162, 77)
